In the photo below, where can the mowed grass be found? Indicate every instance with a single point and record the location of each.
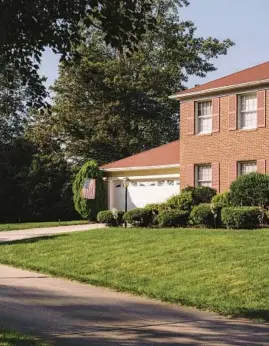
(11, 338)
(29, 225)
(219, 270)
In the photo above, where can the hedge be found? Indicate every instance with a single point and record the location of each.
(139, 217)
(110, 218)
(173, 218)
(241, 217)
(202, 215)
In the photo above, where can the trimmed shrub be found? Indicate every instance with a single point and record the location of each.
(89, 208)
(140, 217)
(173, 218)
(223, 199)
(154, 207)
(106, 217)
(202, 215)
(184, 201)
(251, 190)
(164, 207)
(241, 217)
(218, 202)
(200, 194)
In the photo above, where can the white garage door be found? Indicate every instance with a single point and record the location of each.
(141, 193)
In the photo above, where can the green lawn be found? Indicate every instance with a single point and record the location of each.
(11, 338)
(28, 225)
(219, 270)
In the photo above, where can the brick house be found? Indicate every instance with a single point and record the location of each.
(224, 129)
(224, 132)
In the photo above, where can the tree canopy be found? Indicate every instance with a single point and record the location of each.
(110, 105)
(28, 26)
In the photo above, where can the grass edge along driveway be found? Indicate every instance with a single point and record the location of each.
(30, 225)
(218, 270)
(12, 338)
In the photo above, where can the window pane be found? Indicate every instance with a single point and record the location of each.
(205, 125)
(248, 167)
(204, 175)
(248, 111)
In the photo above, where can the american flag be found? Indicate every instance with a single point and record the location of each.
(88, 190)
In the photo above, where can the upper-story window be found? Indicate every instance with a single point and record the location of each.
(247, 114)
(203, 175)
(204, 117)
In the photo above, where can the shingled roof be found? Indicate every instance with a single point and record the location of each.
(254, 74)
(165, 155)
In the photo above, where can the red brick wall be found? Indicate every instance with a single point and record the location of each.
(225, 147)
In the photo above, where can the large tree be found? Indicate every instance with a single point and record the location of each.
(111, 105)
(28, 26)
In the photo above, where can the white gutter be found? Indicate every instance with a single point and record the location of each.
(127, 169)
(207, 91)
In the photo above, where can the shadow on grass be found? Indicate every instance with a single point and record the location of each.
(34, 239)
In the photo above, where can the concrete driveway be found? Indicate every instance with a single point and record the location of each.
(69, 313)
(42, 232)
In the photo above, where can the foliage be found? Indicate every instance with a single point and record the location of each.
(28, 27)
(139, 217)
(251, 190)
(223, 199)
(241, 217)
(89, 208)
(106, 216)
(173, 218)
(202, 215)
(183, 201)
(201, 194)
(109, 105)
(232, 267)
(110, 218)
(164, 207)
(218, 202)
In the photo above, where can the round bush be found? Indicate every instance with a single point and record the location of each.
(251, 190)
(140, 217)
(107, 218)
(173, 218)
(241, 217)
(183, 201)
(202, 215)
(89, 208)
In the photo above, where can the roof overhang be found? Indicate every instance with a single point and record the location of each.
(215, 90)
(141, 168)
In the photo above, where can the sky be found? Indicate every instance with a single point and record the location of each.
(246, 22)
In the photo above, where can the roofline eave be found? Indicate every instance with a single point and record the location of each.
(212, 90)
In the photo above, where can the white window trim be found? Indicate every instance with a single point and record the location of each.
(197, 181)
(202, 117)
(240, 163)
(240, 112)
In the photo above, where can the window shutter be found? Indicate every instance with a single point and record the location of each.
(232, 112)
(232, 172)
(215, 176)
(261, 108)
(191, 118)
(190, 175)
(215, 114)
(261, 166)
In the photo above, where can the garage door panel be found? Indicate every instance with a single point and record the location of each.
(141, 193)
